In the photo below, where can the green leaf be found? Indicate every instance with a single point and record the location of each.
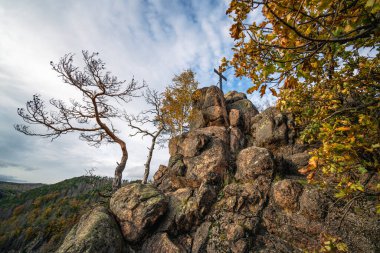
(362, 170)
(375, 8)
(370, 3)
(340, 194)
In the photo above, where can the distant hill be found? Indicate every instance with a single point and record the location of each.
(8, 189)
(36, 217)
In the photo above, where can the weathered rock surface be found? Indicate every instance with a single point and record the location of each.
(137, 207)
(305, 222)
(286, 194)
(236, 101)
(271, 127)
(253, 162)
(198, 156)
(209, 108)
(97, 231)
(200, 238)
(161, 243)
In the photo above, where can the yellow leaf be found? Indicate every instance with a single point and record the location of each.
(308, 31)
(370, 3)
(342, 129)
(348, 28)
(340, 194)
(288, 17)
(271, 36)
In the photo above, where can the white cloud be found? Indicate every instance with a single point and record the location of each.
(150, 40)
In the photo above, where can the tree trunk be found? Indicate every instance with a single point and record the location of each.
(116, 184)
(150, 154)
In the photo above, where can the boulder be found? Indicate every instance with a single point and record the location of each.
(212, 160)
(219, 237)
(286, 194)
(246, 198)
(188, 206)
(246, 112)
(234, 116)
(253, 162)
(272, 128)
(200, 238)
(205, 197)
(160, 172)
(177, 208)
(209, 108)
(161, 243)
(191, 144)
(215, 132)
(233, 96)
(299, 160)
(96, 231)
(195, 157)
(174, 144)
(237, 140)
(313, 203)
(188, 211)
(137, 207)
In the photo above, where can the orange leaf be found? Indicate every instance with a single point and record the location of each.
(235, 31)
(304, 170)
(262, 90)
(342, 129)
(274, 92)
(253, 89)
(310, 176)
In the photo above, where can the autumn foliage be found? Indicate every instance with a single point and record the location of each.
(321, 58)
(177, 102)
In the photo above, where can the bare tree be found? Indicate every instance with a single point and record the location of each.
(153, 118)
(92, 117)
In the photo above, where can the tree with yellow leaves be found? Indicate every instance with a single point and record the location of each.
(177, 102)
(323, 58)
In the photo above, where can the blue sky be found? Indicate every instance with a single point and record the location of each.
(148, 40)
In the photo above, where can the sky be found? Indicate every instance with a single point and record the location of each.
(148, 40)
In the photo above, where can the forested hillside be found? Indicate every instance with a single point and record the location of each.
(8, 189)
(38, 219)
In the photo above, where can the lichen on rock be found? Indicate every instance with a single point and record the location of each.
(97, 231)
(137, 207)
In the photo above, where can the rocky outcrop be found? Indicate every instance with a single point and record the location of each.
(137, 207)
(97, 231)
(209, 108)
(232, 185)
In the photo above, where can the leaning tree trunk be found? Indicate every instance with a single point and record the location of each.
(116, 184)
(150, 154)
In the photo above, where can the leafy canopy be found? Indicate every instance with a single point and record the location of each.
(177, 102)
(323, 58)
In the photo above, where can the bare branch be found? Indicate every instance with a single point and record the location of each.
(91, 117)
